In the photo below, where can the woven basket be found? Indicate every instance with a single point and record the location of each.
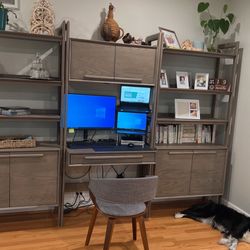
(17, 142)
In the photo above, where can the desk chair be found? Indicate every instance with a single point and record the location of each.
(121, 198)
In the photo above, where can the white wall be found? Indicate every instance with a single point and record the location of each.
(238, 193)
(140, 17)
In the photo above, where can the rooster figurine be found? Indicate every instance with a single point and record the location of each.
(111, 30)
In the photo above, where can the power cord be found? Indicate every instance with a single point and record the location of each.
(77, 203)
(120, 175)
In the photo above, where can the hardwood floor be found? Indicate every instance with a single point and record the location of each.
(39, 231)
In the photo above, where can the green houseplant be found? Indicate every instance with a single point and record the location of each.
(211, 25)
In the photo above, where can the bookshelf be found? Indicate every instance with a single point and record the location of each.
(192, 155)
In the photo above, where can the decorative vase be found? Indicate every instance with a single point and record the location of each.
(111, 30)
(211, 43)
(3, 18)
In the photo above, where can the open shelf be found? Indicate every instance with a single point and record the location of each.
(197, 53)
(190, 146)
(47, 147)
(23, 80)
(162, 120)
(32, 117)
(196, 91)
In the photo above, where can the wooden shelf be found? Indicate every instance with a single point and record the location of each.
(193, 121)
(30, 36)
(30, 81)
(48, 147)
(195, 91)
(189, 146)
(37, 117)
(182, 52)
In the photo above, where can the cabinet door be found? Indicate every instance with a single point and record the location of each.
(135, 64)
(173, 169)
(94, 61)
(33, 179)
(4, 180)
(208, 172)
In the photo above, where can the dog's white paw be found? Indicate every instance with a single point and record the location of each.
(179, 215)
(223, 241)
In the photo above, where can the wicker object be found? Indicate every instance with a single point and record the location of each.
(17, 142)
(111, 30)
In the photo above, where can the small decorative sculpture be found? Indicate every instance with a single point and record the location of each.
(111, 30)
(131, 40)
(43, 18)
(37, 70)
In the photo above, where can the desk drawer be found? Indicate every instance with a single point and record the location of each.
(111, 158)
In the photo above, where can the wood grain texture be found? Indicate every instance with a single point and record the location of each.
(174, 172)
(33, 180)
(39, 231)
(4, 180)
(135, 63)
(91, 59)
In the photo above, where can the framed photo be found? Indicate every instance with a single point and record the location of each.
(182, 81)
(164, 79)
(170, 38)
(201, 81)
(187, 109)
(12, 4)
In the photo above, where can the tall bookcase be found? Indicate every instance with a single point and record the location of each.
(30, 177)
(197, 168)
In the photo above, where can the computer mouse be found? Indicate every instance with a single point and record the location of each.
(131, 145)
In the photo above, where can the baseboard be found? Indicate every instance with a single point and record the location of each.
(230, 204)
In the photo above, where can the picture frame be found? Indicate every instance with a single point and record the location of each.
(187, 109)
(182, 80)
(11, 4)
(170, 38)
(164, 79)
(201, 81)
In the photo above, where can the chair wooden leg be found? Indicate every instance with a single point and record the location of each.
(134, 228)
(109, 231)
(91, 226)
(143, 232)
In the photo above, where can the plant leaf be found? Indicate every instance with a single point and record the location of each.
(224, 25)
(203, 22)
(202, 7)
(216, 23)
(211, 24)
(225, 7)
(230, 17)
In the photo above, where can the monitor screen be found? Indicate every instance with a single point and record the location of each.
(131, 121)
(90, 111)
(135, 94)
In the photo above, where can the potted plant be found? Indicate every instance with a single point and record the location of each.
(211, 25)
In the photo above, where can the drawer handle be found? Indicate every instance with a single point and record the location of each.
(95, 77)
(128, 79)
(26, 155)
(205, 152)
(180, 153)
(113, 157)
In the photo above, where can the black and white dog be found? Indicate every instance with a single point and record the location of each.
(235, 226)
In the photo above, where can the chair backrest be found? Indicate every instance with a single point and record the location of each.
(124, 190)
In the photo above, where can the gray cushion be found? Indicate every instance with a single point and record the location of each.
(118, 209)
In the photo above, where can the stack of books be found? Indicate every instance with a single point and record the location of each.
(178, 134)
(15, 110)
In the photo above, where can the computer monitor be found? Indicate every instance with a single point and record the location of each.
(91, 111)
(135, 94)
(131, 122)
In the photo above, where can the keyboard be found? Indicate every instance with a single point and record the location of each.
(79, 145)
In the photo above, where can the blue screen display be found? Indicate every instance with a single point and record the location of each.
(135, 94)
(131, 121)
(89, 111)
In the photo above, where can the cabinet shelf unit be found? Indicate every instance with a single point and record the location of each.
(192, 155)
(32, 174)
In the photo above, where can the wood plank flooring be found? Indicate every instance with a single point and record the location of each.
(39, 232)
